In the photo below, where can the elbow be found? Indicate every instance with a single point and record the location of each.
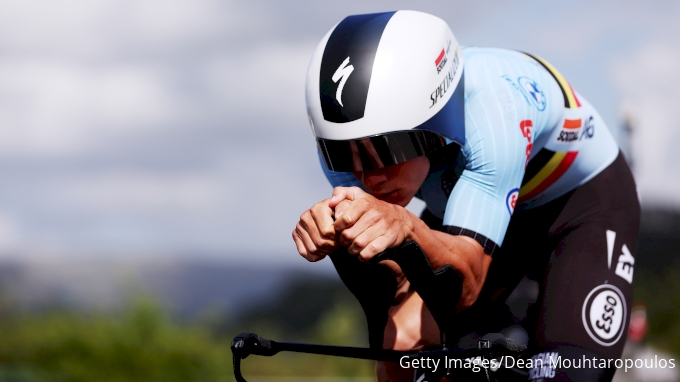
(473, 281)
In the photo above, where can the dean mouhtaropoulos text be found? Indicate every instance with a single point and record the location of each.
(543, 366)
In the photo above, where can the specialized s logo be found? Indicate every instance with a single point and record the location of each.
(342, 74)
(511, 200)
(604, 314)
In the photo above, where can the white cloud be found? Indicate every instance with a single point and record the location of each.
(265, 79)
(108, 28)
(58, 107)
(158, 193)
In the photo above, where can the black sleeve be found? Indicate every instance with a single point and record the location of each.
(373, 285)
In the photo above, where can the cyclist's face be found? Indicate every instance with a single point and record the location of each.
(396, 184)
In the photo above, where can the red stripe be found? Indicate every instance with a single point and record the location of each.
(572, 123)
(559, 171)
(578, 103)
(439, 59)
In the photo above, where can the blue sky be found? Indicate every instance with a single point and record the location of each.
(151, 129)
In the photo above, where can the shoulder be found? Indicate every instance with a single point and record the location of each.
(515, 82)
(476, 59)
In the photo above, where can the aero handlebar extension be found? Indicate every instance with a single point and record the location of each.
(439, 289)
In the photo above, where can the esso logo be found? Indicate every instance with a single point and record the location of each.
(604, 314)
(511, 200)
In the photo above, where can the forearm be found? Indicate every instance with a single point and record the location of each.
(463, 253)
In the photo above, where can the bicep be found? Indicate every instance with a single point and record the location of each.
(482, 201)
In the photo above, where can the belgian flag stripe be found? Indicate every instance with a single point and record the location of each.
(570, 99)
(545, 172)
(536, 164)
(556, 167)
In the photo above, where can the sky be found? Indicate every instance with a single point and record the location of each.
(154, 129)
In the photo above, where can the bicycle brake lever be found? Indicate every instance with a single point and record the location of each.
(246, 344)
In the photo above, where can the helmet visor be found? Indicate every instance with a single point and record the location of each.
(378, 151)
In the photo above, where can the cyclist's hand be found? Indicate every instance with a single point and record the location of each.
(315, 235)
(368, 226)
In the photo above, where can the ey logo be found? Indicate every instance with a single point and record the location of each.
(626, 261)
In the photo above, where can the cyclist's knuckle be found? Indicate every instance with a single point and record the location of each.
(347, 235)
(319, 242)
(346, 218)
(326, 233)
(373, 247)
(373, 215)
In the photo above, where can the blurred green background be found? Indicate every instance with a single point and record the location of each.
(142, 341)
(145, 339)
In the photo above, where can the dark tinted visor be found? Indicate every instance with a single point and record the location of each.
(378, 151)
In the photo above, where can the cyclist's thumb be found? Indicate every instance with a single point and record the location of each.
(344, 193)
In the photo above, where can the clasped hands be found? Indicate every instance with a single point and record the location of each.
(353, 219)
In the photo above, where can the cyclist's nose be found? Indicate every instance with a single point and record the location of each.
(372, 178)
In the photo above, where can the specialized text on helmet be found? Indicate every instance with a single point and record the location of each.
(446, 83)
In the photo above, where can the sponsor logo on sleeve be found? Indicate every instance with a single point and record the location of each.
(527, 127)
(604, 314)
(530, 90)
(588, 129)
(511, 200)
(570, 130)
(536, 95)
(574, 129)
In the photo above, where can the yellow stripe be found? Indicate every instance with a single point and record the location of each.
(562, 81)
(544, 173)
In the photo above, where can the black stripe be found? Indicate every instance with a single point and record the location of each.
(489, 246)
(356, 37)
(564, 93)
(536, 164)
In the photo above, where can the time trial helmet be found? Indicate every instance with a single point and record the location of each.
(385, 88)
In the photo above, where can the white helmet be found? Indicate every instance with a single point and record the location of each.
(384, 88)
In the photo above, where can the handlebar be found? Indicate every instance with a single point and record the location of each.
(440, 290)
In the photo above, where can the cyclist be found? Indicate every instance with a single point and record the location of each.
(519, 174)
